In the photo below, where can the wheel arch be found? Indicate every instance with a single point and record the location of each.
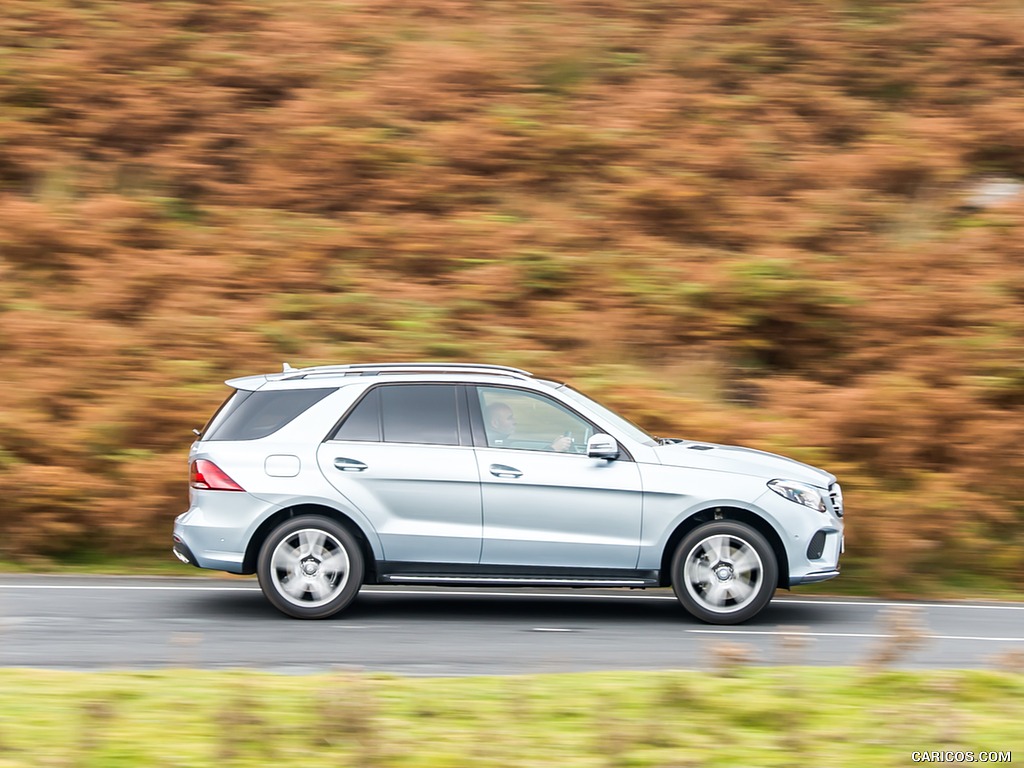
(754, 520)
(252, 551)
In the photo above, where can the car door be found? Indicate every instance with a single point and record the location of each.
(546, 504)
(402, 455)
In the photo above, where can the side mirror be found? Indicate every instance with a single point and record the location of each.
(602, 447)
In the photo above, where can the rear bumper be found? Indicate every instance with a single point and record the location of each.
(211, 536)
(183, 553)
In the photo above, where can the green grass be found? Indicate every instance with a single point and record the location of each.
(736, 717)
(164, 564)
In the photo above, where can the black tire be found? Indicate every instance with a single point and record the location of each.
(292, 573)
(724, 572)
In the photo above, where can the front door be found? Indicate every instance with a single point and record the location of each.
(545, 503)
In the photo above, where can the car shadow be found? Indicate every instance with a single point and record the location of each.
(382, 605)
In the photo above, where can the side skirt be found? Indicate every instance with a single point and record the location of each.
(511, 576)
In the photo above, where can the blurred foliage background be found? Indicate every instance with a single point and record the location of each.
(790, 224)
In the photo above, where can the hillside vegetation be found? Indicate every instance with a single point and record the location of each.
(743, 221)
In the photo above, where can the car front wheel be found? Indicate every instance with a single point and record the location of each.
(724, 572)
(310, 567)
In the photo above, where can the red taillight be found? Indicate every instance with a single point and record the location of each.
(207, 476)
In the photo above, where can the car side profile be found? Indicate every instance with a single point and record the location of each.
(322, 479)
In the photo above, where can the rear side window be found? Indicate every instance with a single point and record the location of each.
(364, 421)
(258, 414)
(405, 413)
(420, 414)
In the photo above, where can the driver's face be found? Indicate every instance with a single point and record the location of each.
(503, 421)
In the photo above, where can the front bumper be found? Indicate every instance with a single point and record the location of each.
(813, 577)
(813, 540)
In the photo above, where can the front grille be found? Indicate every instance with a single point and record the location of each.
(836, 494)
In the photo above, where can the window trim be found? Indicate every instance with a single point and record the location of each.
(476, 417)
(464, 414)
(480, 435)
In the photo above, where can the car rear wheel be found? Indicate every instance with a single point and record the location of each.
(310, 567)
(724, 572)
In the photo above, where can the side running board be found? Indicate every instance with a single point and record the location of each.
(516, 581)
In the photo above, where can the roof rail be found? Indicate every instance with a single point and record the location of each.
(375, 369)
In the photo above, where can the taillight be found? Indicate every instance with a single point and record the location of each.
(207, 476)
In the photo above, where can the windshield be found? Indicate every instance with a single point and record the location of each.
(630, 429)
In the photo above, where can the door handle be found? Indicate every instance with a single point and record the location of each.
(349, 465)
(501, 470)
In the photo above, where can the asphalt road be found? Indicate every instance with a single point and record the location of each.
(77, 622)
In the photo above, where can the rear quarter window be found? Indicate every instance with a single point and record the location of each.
(252, 415)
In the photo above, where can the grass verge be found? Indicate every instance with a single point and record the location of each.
(737, 716)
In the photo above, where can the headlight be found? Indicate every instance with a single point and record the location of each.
(801, 493)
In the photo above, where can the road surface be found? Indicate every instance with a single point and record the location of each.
(98, 623)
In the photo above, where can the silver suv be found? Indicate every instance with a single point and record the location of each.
(322, 479)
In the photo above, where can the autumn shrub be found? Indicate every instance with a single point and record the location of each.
(741, 221)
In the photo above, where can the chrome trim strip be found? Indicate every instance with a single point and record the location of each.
(414, 367)
(516, 580)
(813, 578)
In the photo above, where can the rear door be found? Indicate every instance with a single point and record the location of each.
(403, 456)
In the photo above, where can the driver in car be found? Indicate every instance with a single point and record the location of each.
(501, 425)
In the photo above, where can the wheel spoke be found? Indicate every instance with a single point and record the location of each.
(741, 590)
(311, 542)
(286, 558)
(319, 588)
(699, 571)
(746, 561)
(294, 586)
(716, 593)
(718, 548)
(336, 562)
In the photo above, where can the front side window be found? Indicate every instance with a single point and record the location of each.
(404, 413)
(528, 421)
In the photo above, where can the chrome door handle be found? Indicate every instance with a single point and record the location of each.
(500, 470)
(349, 465)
